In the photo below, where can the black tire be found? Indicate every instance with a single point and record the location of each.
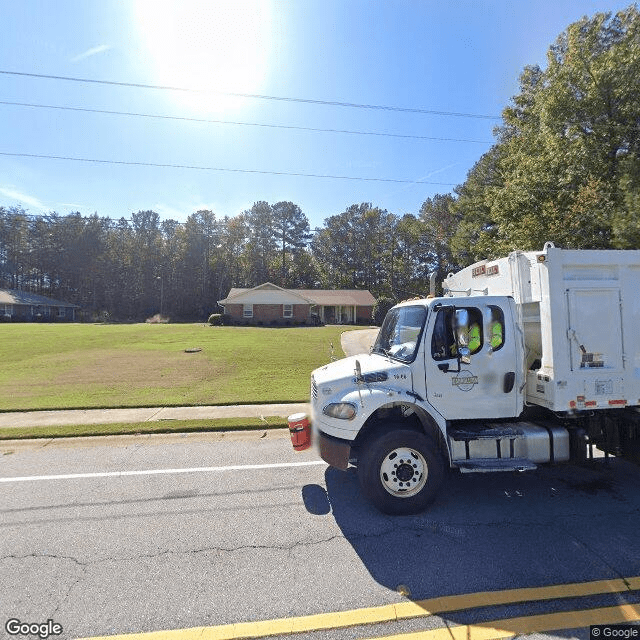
(400, 471)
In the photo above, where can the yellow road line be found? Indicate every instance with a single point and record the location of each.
(500, 629)
(386, 613)
(492, 598)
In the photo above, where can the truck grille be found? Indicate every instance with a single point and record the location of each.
(314, 390)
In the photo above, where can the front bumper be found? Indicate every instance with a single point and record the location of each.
(333, 451)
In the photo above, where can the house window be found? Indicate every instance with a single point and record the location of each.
(287, 311)
(247, 311)
(61, 312)
(7, 310)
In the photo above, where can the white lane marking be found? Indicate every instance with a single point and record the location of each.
(151, 472)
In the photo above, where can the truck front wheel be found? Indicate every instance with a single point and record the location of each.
(400, 471)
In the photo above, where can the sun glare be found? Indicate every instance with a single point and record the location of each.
(209, 45)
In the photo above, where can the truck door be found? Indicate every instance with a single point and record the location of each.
(483, 383)
(595, 329)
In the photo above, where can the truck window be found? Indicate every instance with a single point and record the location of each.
(400, 334)
(443, 341)
(496, 328)
(473, 335)
(443, 344)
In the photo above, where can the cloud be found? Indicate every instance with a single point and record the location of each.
(91, 52)
(22, 197)
(73, 205)
(183, 211)
(433, 173)
(421, 180)
(168, 212)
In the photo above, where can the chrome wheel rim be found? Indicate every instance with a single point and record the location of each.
(403, 472)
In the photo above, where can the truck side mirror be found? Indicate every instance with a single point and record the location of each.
(461, 332)
(461, 328)
(462, 320)
(358, 372)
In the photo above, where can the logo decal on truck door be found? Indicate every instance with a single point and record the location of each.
(465, 381)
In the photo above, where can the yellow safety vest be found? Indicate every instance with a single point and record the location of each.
(496, 335)
(474, 337)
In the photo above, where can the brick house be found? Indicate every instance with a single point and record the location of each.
(17, 305)
(269, 304)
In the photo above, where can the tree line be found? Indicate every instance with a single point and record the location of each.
(565, 167)
(135, 268)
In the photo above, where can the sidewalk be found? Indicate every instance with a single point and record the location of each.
(152, 414)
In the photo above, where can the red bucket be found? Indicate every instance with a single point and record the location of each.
(300, 430)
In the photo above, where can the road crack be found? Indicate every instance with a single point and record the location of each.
(40, 556)
(82, 566)
(595, 553)
(64, 598)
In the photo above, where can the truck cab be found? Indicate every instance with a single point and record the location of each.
(435, 362)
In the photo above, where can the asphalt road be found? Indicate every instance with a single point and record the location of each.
(250, 539)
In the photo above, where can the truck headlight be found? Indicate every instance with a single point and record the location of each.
(340, 410)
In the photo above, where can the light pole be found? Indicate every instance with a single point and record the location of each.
(161, 291)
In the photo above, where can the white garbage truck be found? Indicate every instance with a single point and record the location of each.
(525, 360)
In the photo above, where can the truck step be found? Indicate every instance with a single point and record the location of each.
(489, 465)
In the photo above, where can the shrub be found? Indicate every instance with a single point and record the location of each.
(216, 320)
(157, 319)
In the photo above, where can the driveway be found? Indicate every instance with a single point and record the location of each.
(360, 341)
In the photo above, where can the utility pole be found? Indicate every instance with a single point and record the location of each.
(161, 292)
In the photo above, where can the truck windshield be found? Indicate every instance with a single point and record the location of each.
(400, 333)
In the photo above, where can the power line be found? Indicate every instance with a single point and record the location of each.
(225, 169)
(246, 124)
(330, 103)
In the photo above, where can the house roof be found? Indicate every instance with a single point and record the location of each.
(326, 297)
(344, 297)
(16, 296)
(263, 294)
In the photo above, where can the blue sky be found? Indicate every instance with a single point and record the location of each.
(460, 57)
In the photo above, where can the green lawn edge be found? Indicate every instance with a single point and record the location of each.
(143, 428)
(153, 406)
(62, 367)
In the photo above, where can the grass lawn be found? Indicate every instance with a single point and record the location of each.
(70, 366)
